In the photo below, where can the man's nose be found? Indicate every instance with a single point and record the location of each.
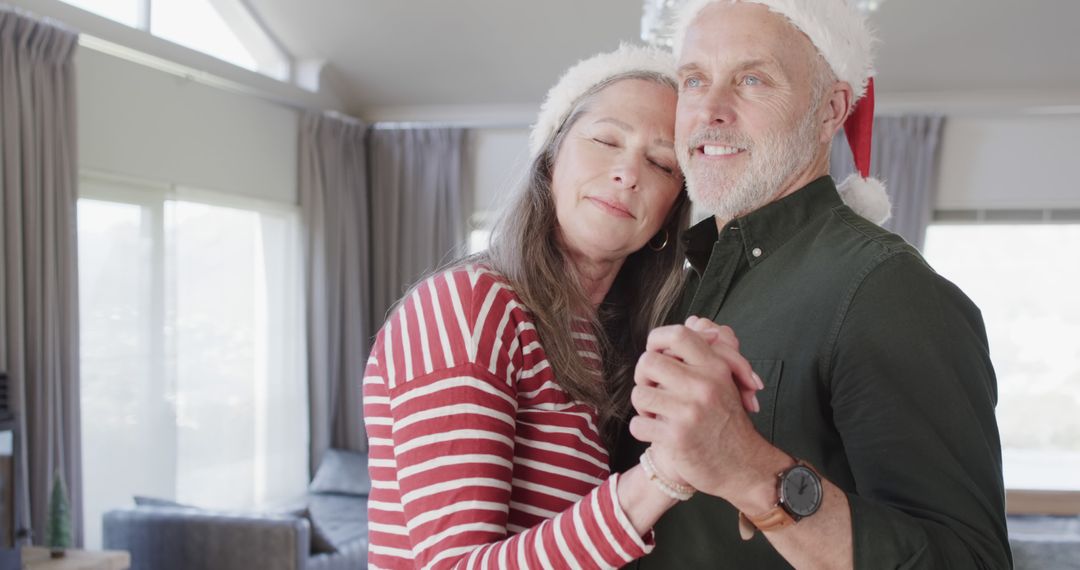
(718, 105)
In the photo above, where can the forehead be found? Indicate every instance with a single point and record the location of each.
(741, 31)
(633, 95)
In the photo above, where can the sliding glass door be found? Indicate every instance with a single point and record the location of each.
(193, 364)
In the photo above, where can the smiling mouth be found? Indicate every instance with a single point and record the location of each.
(612, 208)
(719, 150)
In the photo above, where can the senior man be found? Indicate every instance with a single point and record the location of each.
(876, 444)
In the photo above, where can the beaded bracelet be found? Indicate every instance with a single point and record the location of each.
(669, 488)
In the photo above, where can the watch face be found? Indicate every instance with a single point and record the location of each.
(800, 491)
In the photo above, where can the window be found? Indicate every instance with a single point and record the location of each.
(193, 366)
(197, 25)
(225, 29)
(478, 227)
(478, 240)
(1024, 278)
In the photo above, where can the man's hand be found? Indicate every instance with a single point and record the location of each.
(723, 336)
(691, 389)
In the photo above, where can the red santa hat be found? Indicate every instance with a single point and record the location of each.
(843, 37)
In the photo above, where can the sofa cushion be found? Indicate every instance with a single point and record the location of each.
(1045, 542)
(343, 473)
(343, 518)
(320, 542)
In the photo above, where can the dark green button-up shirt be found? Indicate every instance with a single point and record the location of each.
(877, 373)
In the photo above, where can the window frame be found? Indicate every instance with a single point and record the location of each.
(1029, 502)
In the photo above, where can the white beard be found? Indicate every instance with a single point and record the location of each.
(772, 162)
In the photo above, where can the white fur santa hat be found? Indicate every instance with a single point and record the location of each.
(843, 37)
(588, 73)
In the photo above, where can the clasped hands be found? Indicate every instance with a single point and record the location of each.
(693, 393)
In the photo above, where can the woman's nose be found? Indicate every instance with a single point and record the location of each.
(626, 170)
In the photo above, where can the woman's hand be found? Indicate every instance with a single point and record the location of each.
(723, 338)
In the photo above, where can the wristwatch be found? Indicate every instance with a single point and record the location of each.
(800, 493)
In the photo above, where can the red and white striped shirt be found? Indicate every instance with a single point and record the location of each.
(477, 458)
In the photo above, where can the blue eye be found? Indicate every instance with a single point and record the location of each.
(692, 83)
(751, 80)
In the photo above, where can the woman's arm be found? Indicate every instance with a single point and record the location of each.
(451, 422)
(642, 500)
(455, 460)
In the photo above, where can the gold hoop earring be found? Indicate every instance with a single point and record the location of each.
(661, 246)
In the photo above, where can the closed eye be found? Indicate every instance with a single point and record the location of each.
(603, 142)
(661, 166)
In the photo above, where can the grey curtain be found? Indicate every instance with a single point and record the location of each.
(905, 157)
(39, 327)
(334, 203)
(417, 223)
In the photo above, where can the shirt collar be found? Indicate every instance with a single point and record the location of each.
(766, 229)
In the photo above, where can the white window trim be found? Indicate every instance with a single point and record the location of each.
(98, 184)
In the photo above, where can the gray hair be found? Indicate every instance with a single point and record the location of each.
(524, 248)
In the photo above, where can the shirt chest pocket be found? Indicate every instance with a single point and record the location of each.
(770, 373)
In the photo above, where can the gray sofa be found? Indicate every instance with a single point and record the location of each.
(1040, 543)
(324, 530)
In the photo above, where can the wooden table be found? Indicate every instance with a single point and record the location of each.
(37, 558)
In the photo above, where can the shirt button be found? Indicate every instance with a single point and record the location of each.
(756, 252)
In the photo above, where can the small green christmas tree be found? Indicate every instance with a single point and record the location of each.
(58, 531)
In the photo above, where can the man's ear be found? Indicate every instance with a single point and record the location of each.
(838, 106)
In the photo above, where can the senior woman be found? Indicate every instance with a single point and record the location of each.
(492, 384)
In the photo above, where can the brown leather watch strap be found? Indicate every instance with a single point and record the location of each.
(773, 519)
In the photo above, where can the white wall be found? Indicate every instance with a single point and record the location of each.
(1010, 162)
(143, 123)
(497, 160)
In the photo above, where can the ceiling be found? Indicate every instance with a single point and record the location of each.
(477, 53)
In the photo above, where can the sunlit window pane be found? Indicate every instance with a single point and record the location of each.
(123, 11)
(478, 240)
(1025, 279)
(192, 351)
(198, 25)
(122, 373)
(238, 375)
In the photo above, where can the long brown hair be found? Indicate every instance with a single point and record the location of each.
(524, 249)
